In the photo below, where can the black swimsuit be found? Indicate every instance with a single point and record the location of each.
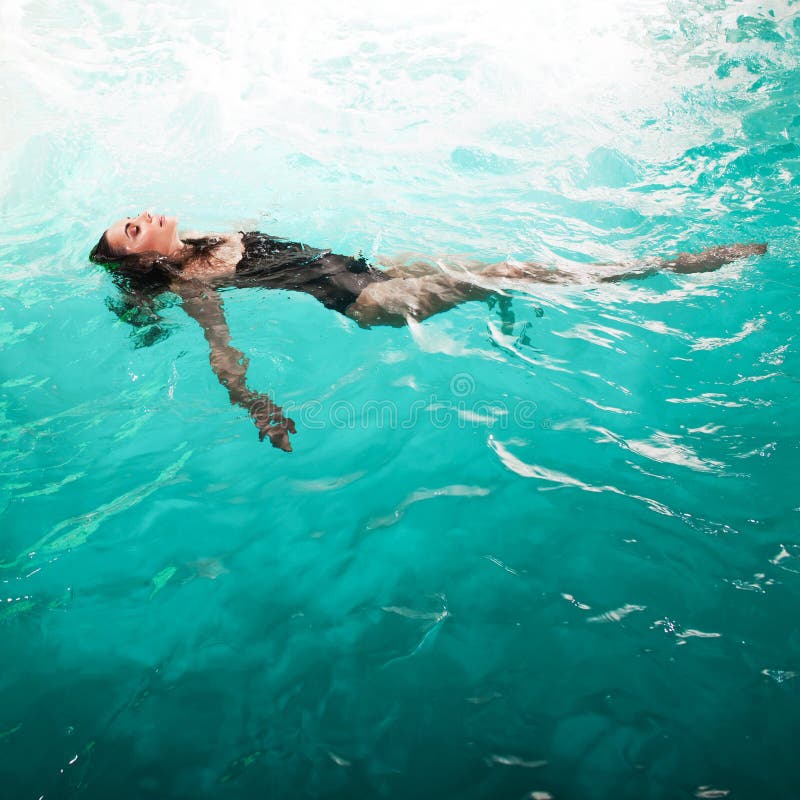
(336, 281)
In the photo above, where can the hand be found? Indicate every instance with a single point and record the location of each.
(270, 421)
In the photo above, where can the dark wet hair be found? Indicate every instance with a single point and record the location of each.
(143, 281)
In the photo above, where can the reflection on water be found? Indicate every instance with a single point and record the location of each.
(544, 548)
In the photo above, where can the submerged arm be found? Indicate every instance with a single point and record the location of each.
(204, 305)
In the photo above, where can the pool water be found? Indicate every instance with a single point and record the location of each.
(549, 557)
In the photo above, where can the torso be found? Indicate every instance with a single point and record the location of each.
(335, 280)
(258, 260)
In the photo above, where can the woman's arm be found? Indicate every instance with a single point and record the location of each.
(230, 364)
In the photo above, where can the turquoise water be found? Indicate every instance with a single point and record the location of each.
(557, 558)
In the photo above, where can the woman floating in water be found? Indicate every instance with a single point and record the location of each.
(149, 258)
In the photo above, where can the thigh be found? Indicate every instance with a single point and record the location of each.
(401, 268)
(419, 268)
(528, 271)
(394, 301)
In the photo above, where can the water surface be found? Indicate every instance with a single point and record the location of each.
(550, 558)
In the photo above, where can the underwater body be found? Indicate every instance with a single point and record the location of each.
(545, 547)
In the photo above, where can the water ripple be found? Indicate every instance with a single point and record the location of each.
(712, 343)
(421, 495)
(80, 528)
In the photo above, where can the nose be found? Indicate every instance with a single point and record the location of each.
(146, 215)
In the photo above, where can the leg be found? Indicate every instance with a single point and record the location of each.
(713, 258)
(684, 263)
(420, 290)
(687, 263)
(403, 267)
(412, 269)
(394, 301)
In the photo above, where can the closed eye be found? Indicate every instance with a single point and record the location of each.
(131, 230)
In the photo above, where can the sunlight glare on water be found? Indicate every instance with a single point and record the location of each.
(541, 548)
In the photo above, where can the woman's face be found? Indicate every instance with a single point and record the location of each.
(147, 233)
